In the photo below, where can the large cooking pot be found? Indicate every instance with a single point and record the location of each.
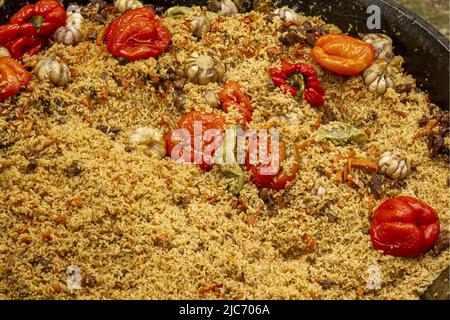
(425, 50)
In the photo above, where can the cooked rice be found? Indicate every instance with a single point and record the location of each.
(143, 228)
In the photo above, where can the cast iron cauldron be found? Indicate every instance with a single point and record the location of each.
(425, 50)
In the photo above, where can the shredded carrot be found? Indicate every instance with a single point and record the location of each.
(87, 102)
(27, 130)
(100, 36)
(364, 164)
(347, 169)
(317, 123)
(103, 95)
(427, 130)
(400, 113)
(47, 236)
(304, 145)
(353, 181)
(339, 176)
(213, 287)
(61, 219)
(75, 202)
(25, 239)
(85, 117)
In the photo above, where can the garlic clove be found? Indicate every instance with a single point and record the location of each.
(192, 72)
(150, 137)
(381, 86)
(212, 98)
(373, 86)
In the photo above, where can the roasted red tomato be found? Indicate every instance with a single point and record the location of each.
(343, 54)
(13, 77)
(272, 172)
(137, 34)
(404, 226)
(200, 143)
(232, 97)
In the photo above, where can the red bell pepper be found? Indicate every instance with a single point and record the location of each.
(291, 79)
(13, 77)
(137, 34)
(232, 97)
(404, 226)
(29, 28)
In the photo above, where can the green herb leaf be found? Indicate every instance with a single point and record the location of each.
(340, 133)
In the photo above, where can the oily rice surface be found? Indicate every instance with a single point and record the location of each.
(141, 227)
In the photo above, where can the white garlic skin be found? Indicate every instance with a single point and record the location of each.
(383, 45)
(200, 25)
(320, 191)
(4, 52)
(49, 69)
(125, 5)
(204, 68)
(67, 36)
(151, 137)
(228, 8)
(393, 165)
(287, 15)
(377, 78)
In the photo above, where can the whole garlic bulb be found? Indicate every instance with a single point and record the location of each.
(200, 25)
(150, 137)
(224, 7)
(377, 77)
(4, 52)
(382, 44)
(394, 165)
(204, 68)
(70, 34)
(67, 35)
(212, 98)
(53, 70)
(125, 5)
(287, 15)
(74, 20)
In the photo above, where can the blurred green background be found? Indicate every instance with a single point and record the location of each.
(436, 12)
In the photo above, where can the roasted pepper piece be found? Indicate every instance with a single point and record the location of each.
(343, 54)
(137, 34)
(29, 28)
(291, 79)
(13, 77)
(405, 227)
